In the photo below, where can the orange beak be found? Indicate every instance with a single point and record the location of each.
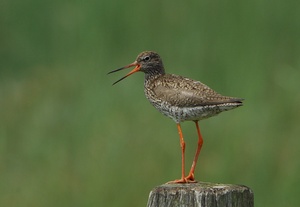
(136, 69)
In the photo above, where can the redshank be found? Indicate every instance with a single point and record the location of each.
(181, 99)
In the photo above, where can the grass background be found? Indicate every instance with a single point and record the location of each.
(68, 138)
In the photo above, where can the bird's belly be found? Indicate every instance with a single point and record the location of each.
(180, 114)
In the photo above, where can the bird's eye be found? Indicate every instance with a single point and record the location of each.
(146, 58)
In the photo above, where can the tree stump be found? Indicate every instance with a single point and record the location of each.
(201, 194)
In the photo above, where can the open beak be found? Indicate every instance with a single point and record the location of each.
(136, 69)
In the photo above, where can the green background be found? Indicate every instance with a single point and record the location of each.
(68, 138)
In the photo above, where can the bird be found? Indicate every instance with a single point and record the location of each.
(179, 98)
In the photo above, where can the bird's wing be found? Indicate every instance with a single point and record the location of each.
(188, 93)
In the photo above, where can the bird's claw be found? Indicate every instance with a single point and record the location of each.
(187, 179)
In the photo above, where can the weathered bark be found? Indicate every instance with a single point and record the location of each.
(201, 194)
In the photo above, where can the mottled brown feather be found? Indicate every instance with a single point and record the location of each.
(184, 92)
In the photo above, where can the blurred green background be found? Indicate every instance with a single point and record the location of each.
(68, 138)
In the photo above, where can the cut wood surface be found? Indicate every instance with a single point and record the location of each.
(201, 194)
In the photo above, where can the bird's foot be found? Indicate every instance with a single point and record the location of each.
(187, 179)
(190, 178)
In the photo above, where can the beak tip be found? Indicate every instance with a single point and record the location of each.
(136, 69)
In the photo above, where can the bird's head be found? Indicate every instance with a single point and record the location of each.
(148, 62)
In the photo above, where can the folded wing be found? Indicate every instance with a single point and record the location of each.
(189, 93)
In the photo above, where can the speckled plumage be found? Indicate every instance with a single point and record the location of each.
(180, 98)
(184, 99)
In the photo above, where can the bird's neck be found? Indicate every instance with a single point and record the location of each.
(154, 73)
(152, 76)
(150, 80)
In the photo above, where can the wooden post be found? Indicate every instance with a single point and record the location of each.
(201, 194)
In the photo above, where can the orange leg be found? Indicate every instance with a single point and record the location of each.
(190, 177)
(182, 145)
